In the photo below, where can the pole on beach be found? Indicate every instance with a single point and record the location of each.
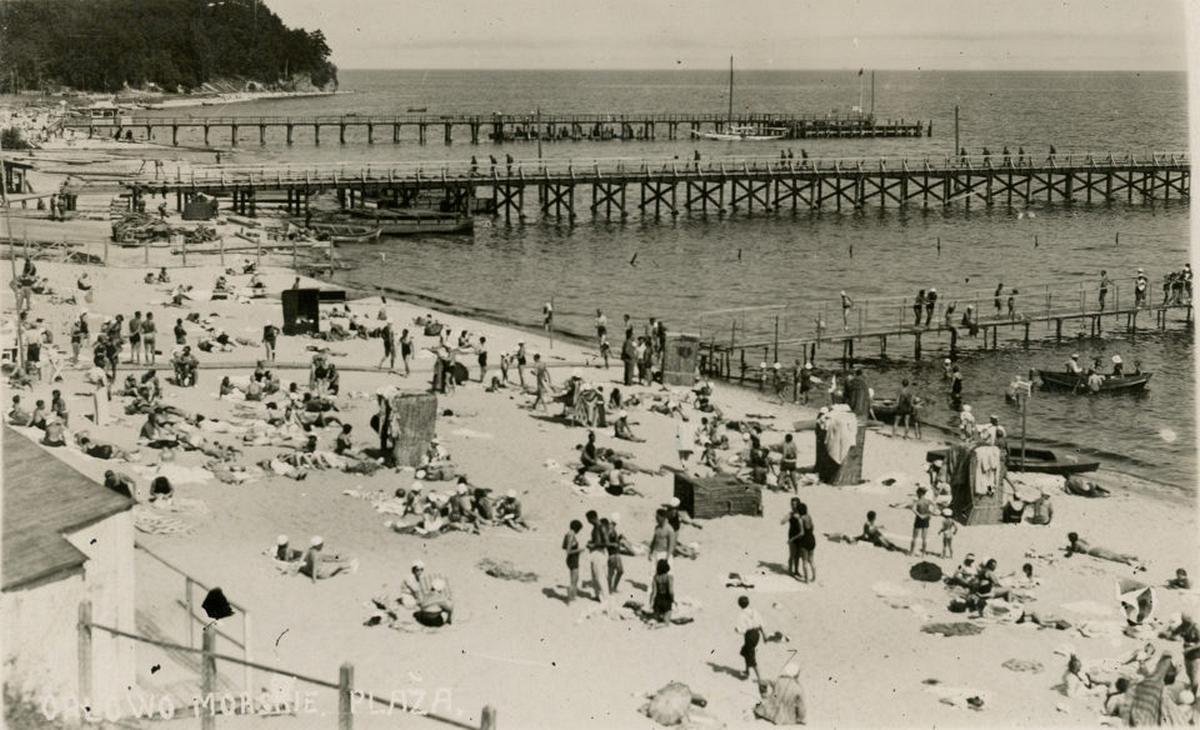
(345, 690)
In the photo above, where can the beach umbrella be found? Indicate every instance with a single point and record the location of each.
(1138, 600)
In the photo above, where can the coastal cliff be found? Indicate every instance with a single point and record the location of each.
(168, 45)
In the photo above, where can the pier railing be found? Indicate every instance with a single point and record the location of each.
(785, 332)
(593, 168)
(781, 118)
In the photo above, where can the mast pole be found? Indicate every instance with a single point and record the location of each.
(872, 94)
(731, 91)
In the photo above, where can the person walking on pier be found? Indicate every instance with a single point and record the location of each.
(996, 298)
(1104, 282)
(930, 304)
(1141, 289)
(847, 304)
(917, 307)
(1012, 304)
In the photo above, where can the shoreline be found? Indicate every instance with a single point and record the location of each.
(501, 445)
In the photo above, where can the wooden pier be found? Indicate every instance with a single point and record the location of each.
(739, 352)
(506, 127)
(667, 188)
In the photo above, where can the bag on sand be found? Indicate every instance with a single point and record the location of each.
(926, 572)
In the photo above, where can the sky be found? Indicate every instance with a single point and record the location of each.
(761, 34)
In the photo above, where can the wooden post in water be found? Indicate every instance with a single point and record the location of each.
(956, 147)
(776, 339)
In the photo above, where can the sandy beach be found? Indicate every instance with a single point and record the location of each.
(516, 645)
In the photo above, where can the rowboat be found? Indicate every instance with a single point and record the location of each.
(1040, 461)
(744, 134)
(411, 221)
(1059, 380)
(346, 232)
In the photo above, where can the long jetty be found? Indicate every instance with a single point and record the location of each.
(668, 187)
(510, 127)
(736, 344)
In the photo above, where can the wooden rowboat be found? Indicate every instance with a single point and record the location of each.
(346, 232)
(1041, 461)
(1059, 380)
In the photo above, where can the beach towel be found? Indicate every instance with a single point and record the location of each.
(841, 430)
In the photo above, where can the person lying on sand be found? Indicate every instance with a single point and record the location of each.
(1076, 544)
(319, 565)
(99, 449)
(872, 532)
(1077, 486)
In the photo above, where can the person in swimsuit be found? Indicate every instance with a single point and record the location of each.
(787, 465)
(794, 534)
(922, 510)
(904, 408)
(808, 543)
(662, 592)
(573, 549)
(149, 330)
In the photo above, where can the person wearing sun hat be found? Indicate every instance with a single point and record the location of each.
(319, 565)
(509, 512)
(948, 530)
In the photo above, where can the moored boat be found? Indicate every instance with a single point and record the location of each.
(744, 134)
(413, 222)
(1061, 380)
(346, 232)
(1041, 461)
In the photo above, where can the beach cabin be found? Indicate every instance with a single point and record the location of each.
(16, 177)
(67, 540)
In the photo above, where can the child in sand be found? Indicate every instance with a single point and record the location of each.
(949, 528)
(318, 566)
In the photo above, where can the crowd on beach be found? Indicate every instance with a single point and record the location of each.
(305, 423)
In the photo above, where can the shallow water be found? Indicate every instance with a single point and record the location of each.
(690, 265)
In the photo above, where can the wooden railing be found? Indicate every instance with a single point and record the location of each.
(208, 676)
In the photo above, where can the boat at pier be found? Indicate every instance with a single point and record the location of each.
(744, 134)
(1077, 383)
(346, 232)
(410, 221)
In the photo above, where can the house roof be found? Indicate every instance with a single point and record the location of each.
(44, 498)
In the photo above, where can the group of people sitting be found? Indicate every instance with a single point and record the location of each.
(468, 508)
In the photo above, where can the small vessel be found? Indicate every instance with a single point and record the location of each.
(418, 109)
(741, 133)
(1061, 380)
(1041, 461)
(412, 221)
(346, 232)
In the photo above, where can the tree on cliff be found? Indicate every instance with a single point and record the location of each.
(102, 45)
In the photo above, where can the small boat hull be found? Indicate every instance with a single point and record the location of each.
(1061, 380)
(340, 233)
(413, 223)
(728, 137)
(1039, 461)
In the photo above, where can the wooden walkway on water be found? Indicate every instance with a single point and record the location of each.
(669, 187)
(512, 127)
(740, 361)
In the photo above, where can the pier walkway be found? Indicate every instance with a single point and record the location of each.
(509, 127)
(736, 343)
(668, 187)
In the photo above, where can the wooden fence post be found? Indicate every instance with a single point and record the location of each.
(345, 688)
(85, 652)
(208, 678)
(488, 721)
(191, 629)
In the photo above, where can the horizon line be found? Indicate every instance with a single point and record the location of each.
(851, 70)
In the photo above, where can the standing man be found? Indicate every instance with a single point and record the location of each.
(787, 464)
(956, 388)
(1000, 291)
(482, 356)
(1140, 288)
(794, 534)
(520, 358)
(616, 568)
(270, 334)
(388, 335)
(847, 304)
(662, 545)
(601, 327)
(135, 338)
(548, 318)
(629, 357)
(1104, 282)
(598, 555)
(931, 297)
(542, 381)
